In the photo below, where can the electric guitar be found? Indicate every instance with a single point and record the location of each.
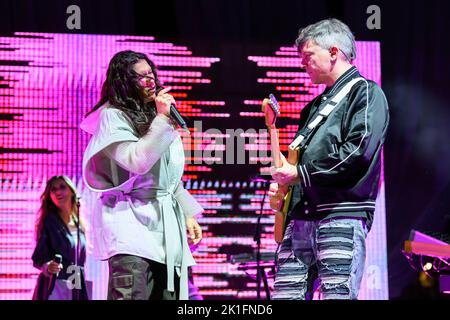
(281, 201)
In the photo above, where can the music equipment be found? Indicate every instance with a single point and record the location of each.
(281, 202)
(249, 259)
(58, 259)
(435, 248)
(176, 116)
(248, 264)
(422, 244)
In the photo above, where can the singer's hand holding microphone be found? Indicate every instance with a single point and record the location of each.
(55, 266)
(165, 104)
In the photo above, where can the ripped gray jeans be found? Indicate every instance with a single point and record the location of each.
(337, 247)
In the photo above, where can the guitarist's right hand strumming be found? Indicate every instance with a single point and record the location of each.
(275, 197)
(286, 174)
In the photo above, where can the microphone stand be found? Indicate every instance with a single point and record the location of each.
(257, 238)
(77, 252)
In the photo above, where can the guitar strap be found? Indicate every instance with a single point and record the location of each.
(324, 113)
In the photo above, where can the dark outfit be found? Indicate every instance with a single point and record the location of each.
(57, 239)
(137, 278)
(333, 207)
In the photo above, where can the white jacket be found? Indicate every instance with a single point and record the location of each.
(142, 205)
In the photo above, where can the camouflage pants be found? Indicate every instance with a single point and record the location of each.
(136, 278)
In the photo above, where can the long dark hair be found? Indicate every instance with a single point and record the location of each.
(49, 207)
(122, 90)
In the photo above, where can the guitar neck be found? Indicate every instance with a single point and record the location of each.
(275, 146)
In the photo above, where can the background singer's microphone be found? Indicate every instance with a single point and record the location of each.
(178, 118)
(51, 284)
(58, 260)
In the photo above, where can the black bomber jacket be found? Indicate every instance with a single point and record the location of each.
(340, 162)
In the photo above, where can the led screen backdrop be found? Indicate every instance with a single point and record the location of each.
(49, 81)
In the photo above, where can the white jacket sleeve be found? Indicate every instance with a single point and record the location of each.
(188, 203)
(140, 156)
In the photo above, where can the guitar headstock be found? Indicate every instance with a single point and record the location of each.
(271, 110)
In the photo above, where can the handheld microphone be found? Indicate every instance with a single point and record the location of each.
(58, 260)
(175, 115)
(178, 118)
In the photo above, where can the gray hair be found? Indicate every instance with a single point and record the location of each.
(327, 33)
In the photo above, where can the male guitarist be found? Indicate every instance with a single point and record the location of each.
(335, 181)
